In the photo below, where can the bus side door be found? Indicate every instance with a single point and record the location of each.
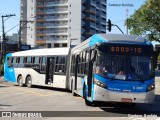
(49, 70)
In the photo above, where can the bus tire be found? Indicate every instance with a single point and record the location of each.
(29, 81)
(20, 81)
(88, 103)
(72, 89)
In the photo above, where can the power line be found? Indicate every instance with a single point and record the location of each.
(119, 21)
(3, 48)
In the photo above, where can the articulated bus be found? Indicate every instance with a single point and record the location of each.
(105, 67)
(44, 67)
(114, 68)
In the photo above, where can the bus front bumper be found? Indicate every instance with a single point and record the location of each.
(101, 94)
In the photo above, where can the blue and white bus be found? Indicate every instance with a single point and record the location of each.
(44, 67)
(113, 68)
(105, 67)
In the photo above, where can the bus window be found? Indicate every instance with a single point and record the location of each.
(29, 59)
(43, 65)
(81, 64)
(36, 60)
(84, 64)
(73, 64)
(60, 64)
(25, 60)
(20, 62)
(110, 65)
(78, 67)
(9, 61)
(43, 60)
(14, 62)
(87, 60)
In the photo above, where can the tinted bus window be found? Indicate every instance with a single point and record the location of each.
(29, 59)
(60, 64)
(36, 60)
(14, 60)
(9, 61)
(21, 60)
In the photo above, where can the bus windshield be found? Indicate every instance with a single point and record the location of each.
(124, 67)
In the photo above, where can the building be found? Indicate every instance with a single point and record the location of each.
(61, 23)
(13, 38)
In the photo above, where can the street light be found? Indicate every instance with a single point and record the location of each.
(109, 26)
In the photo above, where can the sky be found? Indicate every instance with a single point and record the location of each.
(117, 14)
(8, 7)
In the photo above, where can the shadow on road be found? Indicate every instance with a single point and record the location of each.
(5, 105)
(48, 88)
(3, 86)
(51, 88)
(122, 109)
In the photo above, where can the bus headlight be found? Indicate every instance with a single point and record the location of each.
(151, 87)
(100, 84)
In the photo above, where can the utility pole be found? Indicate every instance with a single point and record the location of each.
(127, 21)
(3, 52)
(22, 23)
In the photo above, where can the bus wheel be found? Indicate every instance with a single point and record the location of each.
(72, 90)
(20, 81)
(29, 81)
(88, 103)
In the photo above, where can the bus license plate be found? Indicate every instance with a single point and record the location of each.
(126, 100)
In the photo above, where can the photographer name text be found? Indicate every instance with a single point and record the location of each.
(120, 5)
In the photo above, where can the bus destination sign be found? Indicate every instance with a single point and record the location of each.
(126, 49)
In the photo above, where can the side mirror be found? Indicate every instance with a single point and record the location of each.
(93, 55)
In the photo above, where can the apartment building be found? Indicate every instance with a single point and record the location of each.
(61, 23)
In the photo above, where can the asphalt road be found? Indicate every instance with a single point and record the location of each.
(49, 102)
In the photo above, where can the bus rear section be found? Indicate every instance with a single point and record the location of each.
(43, 67)
(9, 72)
(114, 72)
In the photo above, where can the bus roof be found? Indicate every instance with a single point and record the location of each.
(43, 52)
(112, 38)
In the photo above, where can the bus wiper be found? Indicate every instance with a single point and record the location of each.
(119, 77)
(113, 77)
(139, 77)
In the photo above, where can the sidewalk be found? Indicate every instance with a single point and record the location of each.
(157, 82)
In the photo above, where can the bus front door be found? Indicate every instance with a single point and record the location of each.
(49, 70)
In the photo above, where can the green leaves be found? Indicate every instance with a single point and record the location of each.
(146, 20)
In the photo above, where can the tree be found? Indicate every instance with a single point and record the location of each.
(146, 20)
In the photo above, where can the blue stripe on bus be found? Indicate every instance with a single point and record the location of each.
(84, 80)
(9, 73)
(125, 86)
(96, 39)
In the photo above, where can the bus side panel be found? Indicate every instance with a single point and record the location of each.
(9, 73)
(79, 86)
(59, 81)
(37, 79)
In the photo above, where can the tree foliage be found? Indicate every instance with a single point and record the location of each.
(146, 20)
